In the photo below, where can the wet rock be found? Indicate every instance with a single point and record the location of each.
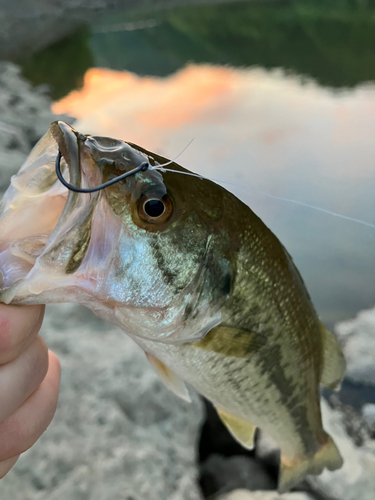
(368, 413)
(356, 479)
(358, 339)
(118, 433)
(25, 115)
(267, 450)
(221, 474)
(264, 495)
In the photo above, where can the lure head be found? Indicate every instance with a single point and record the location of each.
(151, 253)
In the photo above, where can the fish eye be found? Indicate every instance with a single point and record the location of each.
(155, 209)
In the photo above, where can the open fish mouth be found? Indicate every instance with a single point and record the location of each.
(47, 233)
(58, 245)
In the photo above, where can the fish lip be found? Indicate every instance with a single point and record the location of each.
(82, 155)
(69, 142)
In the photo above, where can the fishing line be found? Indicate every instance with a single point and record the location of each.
(143, 167)
(159, 167)
(288, 200)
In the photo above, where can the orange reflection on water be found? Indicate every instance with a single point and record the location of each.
(124, 105)
(272, 119)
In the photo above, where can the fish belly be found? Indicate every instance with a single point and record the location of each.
(239, 387)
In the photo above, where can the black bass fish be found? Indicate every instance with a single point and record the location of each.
(190, 273)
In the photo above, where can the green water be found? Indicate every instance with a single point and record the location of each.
(332, 42)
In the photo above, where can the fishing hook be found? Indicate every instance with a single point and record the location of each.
(141, 168)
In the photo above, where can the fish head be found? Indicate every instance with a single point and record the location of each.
(149, 253)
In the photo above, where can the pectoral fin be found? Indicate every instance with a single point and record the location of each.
(169, 378)
(233, 342)
(240, 429)
(333, 360)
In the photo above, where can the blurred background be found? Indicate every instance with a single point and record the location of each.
(280, 99)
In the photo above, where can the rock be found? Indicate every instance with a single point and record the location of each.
(27, 26)
(264, 495)
(358, 339)
(356, 479)
(25, 116)
(267, 450)
(368, 413)
(118, 433)
(220, 474)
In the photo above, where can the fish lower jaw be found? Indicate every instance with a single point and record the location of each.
(43, 287)
(17, 261)
(13, 270)
(26, 224)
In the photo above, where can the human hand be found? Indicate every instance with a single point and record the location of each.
(29, 382)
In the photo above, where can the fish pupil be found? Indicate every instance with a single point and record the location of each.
(154, 208)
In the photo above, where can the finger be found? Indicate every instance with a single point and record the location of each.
(20, 378)
(18, 327)
(20, 431)
(7, 465)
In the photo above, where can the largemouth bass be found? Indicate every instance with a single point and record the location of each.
(190, 273)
